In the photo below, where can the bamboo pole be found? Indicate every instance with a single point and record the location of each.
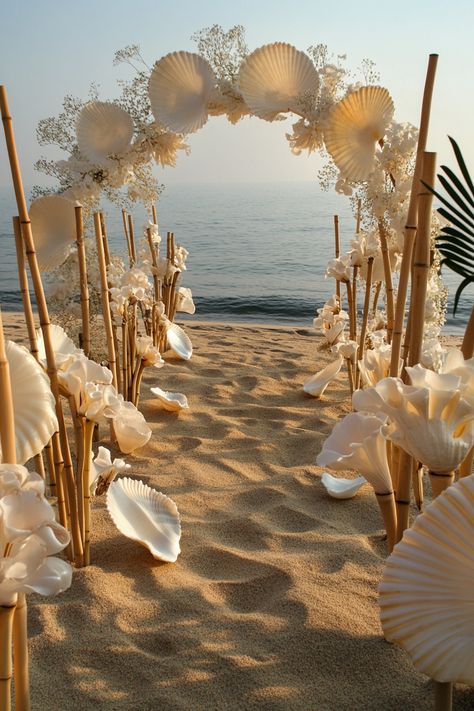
(84, 287)
(443, 692)
(88, 430)
(337, 253)
(12, 621)
(387, 272)
(350, 309)
(388, 510)
(411, 223)
(127, 237)
(105, 238)
(365, 315)
(6, 667)
(62, 449)
(440, 481)
(24, 289)
(104, 290)
(358, 215)
(154, 215)
(355, 271)
(131, 235)
(467, 349)
(378, 289)
(421, 261)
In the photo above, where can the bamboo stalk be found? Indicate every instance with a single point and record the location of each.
(350, 375)
(131, 234)
(25, 289)
(417, 484)
(125, 355)
(358, 215)
(88, 429)
(6, 666)
(365, 315)
(440, 482)
(411, 223)
(388, 510)
(355, 271)
(443, 692)
(42, 308)
(421, 261)
(104, 290)
(20, 655)
(105, 239)
(7, 419)
(154, 215)
(387, 272)
(378, 289)
(127, 237)
(350, 309)
(337, 252)
(401, 470)
(84, 287)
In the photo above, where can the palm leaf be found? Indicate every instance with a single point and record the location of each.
(456, 241)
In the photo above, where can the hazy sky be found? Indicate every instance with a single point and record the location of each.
(50, 48)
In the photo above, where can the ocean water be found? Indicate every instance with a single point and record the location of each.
(257, 251)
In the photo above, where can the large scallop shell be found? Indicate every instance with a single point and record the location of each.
(174, 402)
(53, 223)
(33, 403)
(427, 589)
(180, 86)
(354, 127)
(317, 384)
(146, 516)
(178, 343)
(340, 488)
(103, 129)
(274, 77)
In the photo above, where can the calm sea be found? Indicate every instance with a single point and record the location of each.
(257, 251)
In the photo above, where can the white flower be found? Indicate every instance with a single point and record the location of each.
(103, 471)
(375, 364)
(90, 386)
(347, 349)
(131, 428)
(338, 268)
(148, 352)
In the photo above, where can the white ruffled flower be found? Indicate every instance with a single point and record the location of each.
(103, 471)
(148, 352)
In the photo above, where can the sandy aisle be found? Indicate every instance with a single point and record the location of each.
(273, 601)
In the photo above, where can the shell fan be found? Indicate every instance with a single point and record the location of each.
(274, 79)
(426, 593)
(103, 129)
(180, 87)
(355, 126)
(146, 516)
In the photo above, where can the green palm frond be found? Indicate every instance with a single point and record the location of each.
(456, 241)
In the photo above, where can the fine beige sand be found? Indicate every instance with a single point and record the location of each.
(272, 603)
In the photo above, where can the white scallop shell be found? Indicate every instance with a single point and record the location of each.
(180, 86)
(33, 403)
(65, 350)
(146, 516)
(317, 384)
(178, 343)
(340, 488)
(274, 78)
(427, 589)
(103, 129)
(354, 127)
(174, 402)
(53, 223)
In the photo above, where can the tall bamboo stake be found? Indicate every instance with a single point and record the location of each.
(105, 238)
(354, 300)
(131, 235)
(11, 625)
(443, 695)
(337, 252)
(411, 223)
(127, 237)
(387, 272)
(365, 315)
(467, 349)
(84, 287)
(154, 215)
(62, 452)
(88, 431)
(104, 290)
(358, 216)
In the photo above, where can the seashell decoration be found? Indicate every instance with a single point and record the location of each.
(146, 516)
(185, 303)
(131, 429)
(354, 127)
(317, 384)
(180, 86)
(340, 488)
(103, 129)
(33, 403)
(274, 79)
(53, 222)
(178, 343)
(426, 594)
(174, 402)
(65, 350)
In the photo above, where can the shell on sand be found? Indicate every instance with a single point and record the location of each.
(174, 402)
(178, 343)
(180, 86)
(53, 223)
(340, 488)
(146, 516)
(354, 127)
(426, 594)
(274, 77)
(103, 129)
(33, 403)
(317, 384)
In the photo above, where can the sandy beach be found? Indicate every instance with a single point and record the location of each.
(272, 603)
